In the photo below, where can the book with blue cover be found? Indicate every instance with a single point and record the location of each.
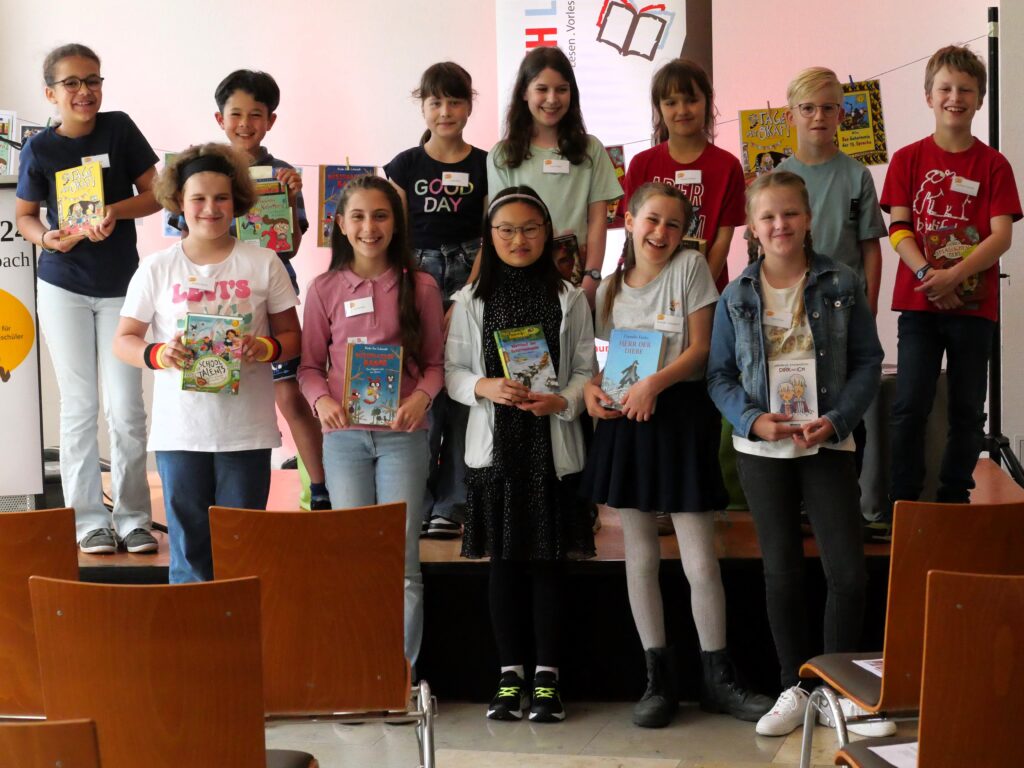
(632, 355)
(373, 383)
(525, 358)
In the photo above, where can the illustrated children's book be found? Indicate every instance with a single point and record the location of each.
(765, 141)
(215, 342)
(618, 158)
(333, 179)
(861, 134)
(944, 248)
(7, 152)
(525, 358)
(632, 355)
(566, 252)
(373, 381)
(269, 222)
(79, 198)
(792, 390)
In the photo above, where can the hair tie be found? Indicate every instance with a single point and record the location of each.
(622, 262)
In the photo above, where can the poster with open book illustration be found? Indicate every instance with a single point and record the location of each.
(525, 358)
(792, 388)
(632, 356)
(373, 382)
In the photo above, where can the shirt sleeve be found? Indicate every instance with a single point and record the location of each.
(896, 189)
(33, 184)
(871, 224)
(1005, 201)
(604, 184)
(316, 342)
(139, 156)
(139, 301)
(498, 176)
(397, 170)
(698, 285)
(428, 301)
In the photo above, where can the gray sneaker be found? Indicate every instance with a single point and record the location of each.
(100, 541)
(140, 541)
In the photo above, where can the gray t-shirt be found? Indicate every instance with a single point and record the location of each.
(682, 287)
(844, 208)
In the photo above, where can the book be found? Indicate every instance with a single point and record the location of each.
(630, 31)
(333, 179)
(525, 358)
(632, 355)
(792, 389)
(944, 248)
(29, 130)
(215, 342)
(618, 158)
(373, 383)
(7, 152)
(268, 223)
(79, 198)
(861, 133)
(695, 243)
(566, 252)
(766, 139)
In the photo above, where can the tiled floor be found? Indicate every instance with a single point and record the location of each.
(594, 736)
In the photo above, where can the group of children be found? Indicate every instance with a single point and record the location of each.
(411, 265)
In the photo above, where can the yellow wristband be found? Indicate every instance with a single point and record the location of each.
(899, 237)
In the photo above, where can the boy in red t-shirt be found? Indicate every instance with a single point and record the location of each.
(952, 201)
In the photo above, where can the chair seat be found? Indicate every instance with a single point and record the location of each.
(851, 680)
(289, 758)
(859, 755)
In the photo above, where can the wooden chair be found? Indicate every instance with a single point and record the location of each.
(977, 538)
(67, 743)
(170, 674)
(972, 676)
(36, 543)
(333, 595)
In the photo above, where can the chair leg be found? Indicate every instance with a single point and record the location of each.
(822, 692)
(426, 705)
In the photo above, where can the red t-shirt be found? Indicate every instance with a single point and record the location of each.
(937, 186)
(714, 187)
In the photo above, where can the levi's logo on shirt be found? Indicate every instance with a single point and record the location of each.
(222, 289)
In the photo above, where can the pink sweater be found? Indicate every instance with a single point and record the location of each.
(326, 331)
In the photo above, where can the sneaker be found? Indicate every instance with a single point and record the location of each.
(100, 541)
(874, 729)
(546, 705)
(424, 528)
(319, 503)
(507, 703)
(140, 541)
(442, 528)
(787, 714)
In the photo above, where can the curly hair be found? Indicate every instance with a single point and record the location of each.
(168, 188)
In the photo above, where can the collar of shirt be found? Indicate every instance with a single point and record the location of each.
(385, 281)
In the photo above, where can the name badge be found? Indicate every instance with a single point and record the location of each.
(454, 179)
(357, 340)
(552, 165)
(965, 186)
(200, 282)
(103, 160)
(669, 324)
(691, 176)
(359, 306)
(261, 172)
(778, 319)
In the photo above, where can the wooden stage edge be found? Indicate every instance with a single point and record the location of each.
(735, 536)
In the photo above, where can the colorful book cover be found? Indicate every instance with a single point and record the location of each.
(79, 198)
(618, 158)
(268, 223)
(7, 120)
(333, 179)
(525, 358)
(793, 390)
(632, 355)
(566, 251)
(766, 139)
(944, 248)
(215, 343)
(861, 133)
(373, 381)
(27, 131)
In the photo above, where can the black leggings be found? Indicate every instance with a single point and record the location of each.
(525, 594)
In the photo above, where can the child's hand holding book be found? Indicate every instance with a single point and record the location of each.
(331, 413)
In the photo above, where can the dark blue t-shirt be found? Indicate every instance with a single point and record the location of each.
(101, 269)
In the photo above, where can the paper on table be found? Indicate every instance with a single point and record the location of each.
(898, 755)
(874, 666)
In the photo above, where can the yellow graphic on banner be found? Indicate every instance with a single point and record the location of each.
(17, 334)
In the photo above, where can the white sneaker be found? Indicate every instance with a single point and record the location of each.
(787, 714)
(873, 729)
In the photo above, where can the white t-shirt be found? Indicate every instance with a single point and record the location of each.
(250, 282)
(681, 288)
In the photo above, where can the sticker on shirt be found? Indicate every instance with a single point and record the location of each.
(776, 319)
(689, 176)
(552, 165)
(668, 323)
(965, 186)
(454, 179)
(200, 282)
(356, 307)
(357, 340)
(103, 160)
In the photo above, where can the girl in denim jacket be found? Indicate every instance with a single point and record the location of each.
(797, 316)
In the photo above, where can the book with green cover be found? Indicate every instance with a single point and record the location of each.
(215, 342)
(525, 358)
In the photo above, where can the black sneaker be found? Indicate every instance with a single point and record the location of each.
(319, 503)
(546, 706)
(507, 703)
(442, 528)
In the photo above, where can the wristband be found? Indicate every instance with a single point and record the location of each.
(271, 349)
(898, 237)
(896, 226)
(152, 356)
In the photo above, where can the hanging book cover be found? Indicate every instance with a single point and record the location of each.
(79, 198)
(566, 252)
(7, 152)
(618, 157)
(268, 223)
(373, 381)
(333, 179)
(525, 358)
(944, 248)
(766, 139)
(215, 342)
(861, 133)
(632, 355)
(793, 390)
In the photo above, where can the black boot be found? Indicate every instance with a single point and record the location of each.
(723, 693)
(659, 701)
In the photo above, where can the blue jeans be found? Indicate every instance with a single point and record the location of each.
(365, 467)
(967, 344)
(193, 481)
(446, 486)
(449, 265)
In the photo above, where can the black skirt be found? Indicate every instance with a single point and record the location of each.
(668, 464)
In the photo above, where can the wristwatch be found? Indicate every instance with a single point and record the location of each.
(594, 274)
(922, 271)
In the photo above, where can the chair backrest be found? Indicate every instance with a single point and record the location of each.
(974, 538)
(170, 674)
(332, 589)
(973, 670)
(36, 543)
(68, 743)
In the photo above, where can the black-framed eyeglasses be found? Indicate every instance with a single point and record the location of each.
(530, 231)
(809, 110)
(74, 84)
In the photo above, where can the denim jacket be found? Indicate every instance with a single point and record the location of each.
(846, 348)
